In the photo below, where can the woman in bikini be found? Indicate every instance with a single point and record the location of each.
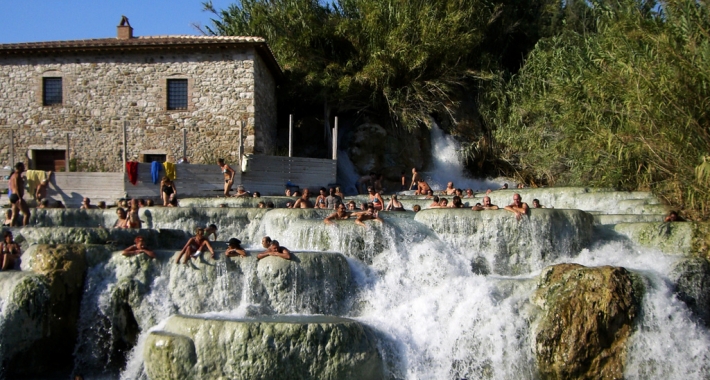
(320, 200)
(375, 199)
(122, 221)
(228, 173)
(194, 246)
(10, 252)
(394, 204)
(167, 188)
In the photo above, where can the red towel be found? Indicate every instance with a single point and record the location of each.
(132, 171)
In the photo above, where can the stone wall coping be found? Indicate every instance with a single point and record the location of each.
(145, 44)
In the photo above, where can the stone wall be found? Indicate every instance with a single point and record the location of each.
(103, 89)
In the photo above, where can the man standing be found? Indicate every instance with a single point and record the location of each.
(332, 201)
(518, 207)
(415, 178)
(17, 186)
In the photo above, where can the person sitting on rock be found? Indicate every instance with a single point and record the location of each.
(375, 198)
(86, 204)
(134, 221)
(10, 252)
(195, 246)
(459, 193)
(122, 221)
(674, 217)
(443, 203)
(137, 248)
(422, 188)
(450, 189)
(44, 203)
(303, 201)
(536, 204)
(320, 199)
(518, 207)
(339, 214)
(369, 214)
(167, 189)
(41, 190)
(487, 205)
(456, 202)
(394, 204)
(275, 250)
(234, 248)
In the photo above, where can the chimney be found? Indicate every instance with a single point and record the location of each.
(125, 32)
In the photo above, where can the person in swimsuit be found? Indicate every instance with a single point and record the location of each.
(10, 252)
(228, 173)
(435, 202)
(415, 179)
(422, 188)
(394, 204)
(469, 193)
(137, 248)
(303, 201)
(518, 207)
(8, 219)
(487, 205)
(339, 192)
(194, 247)
(235, 249)
(275, 250)
(536, 204)
(17, 187)
(352, 206)
(122, 221)
(241, 192)
(369, 214)
(167, 188)
(41, 190)
(456, 202)
(450, 190)
(340, 214)
(134, 220)
(320, 200)
(86, 204)
(376, 199)
(443, 203)
(211, 230)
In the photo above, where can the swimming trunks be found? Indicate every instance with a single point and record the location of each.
(14, 198)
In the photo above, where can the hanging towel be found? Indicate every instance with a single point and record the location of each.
(170, 170)
(155, 168)
(33, 178)
(132, 171)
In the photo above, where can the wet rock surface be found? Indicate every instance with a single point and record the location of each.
(587, 318)
(268, 348)
(691, 278)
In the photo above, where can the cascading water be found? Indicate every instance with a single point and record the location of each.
(447, 166)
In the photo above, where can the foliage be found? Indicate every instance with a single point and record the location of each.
(625, 106)
(398, 60)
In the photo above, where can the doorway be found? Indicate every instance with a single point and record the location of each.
(46, 159)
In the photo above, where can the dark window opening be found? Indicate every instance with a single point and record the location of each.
(177, 94)
(50, 159)
(154, 157)
(51, 91)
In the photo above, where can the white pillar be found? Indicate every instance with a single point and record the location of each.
(335, 139)
(290, 135)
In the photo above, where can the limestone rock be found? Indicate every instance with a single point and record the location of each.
(313, 347)
(692, 282)
(586, 321)
(366, 147)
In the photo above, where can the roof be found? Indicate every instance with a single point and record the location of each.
(146, 43)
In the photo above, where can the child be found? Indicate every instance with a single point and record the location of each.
(194, 246)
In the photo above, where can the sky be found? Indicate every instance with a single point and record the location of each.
(55, 20)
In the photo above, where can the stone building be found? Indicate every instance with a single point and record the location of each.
(78, 99)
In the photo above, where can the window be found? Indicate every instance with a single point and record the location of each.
(50, 159)
(51, 91)
(177, 94)
(148, 158)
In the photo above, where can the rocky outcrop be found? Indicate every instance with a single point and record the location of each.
(42, 310)
(587, 318)
(691, 278)
(313, 347)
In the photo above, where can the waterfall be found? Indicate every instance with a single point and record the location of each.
(447, 164)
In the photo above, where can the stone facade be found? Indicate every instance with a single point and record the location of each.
(230, 80)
